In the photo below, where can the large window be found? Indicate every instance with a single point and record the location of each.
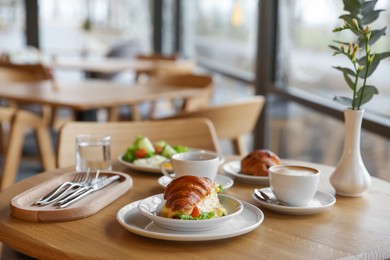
(305, 60)
(303, 83)
(222, 34)
(12, 25)
(93, 26)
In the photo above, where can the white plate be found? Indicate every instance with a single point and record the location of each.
(233, 169)
(151, 207)
(156, 169)
(225, 181)
(320, 202)
(132, 220)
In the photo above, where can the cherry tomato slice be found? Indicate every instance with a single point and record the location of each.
(140, 153)
(195, 212)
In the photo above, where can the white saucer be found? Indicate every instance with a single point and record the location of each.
(320, 202)
(131, 219)
(225, 181)
(233, 169)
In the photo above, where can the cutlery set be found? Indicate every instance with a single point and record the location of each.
(69, 192)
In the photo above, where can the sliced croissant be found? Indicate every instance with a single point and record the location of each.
(187, 194)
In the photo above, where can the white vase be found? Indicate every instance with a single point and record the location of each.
(351, 177)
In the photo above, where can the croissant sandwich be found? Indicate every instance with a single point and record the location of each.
(192, 197)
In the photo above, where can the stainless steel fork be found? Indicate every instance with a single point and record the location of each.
(95, 185)
(64, 189)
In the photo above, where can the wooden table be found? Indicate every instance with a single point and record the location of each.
(99, 64)
(108, 64)
(354, 227)
(87, 95)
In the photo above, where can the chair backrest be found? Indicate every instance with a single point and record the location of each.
(231, 121)
(156, 57)
(169, 68)
(190, 80)
(14, 73)
(195, 133)
(10, 72)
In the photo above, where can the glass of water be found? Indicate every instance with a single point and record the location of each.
(93, 152)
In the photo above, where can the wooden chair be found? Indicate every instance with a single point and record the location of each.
(190, 80)
(21, 120)
(6, 116)
(190, 104)
(152, 57)
(166, 68)
(14, 73)
(231, 121)
(195, 133)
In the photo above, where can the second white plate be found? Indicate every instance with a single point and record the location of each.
(233, 169)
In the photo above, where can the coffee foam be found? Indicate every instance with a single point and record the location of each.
(295, 170)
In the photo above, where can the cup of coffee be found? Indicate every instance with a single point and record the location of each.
(201, 164)
(294, 185)
(93, 152)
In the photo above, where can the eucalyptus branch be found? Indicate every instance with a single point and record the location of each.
(365, 74)
(361, 13)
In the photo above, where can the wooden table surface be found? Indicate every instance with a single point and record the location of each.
(354, 227)
(107, 64)
(91, 94)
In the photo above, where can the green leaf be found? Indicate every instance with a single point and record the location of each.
(378, 57)
(349, 81)
(368, 89)
(334, 47)
(346, 70)
(343, 43)
(352, 6)
(371, 17)
(367, 97)
(369, 92)
(343, 100)
(348, 18)
(376, 34)
(368, 7)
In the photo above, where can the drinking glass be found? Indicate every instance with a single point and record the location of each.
(93, 152)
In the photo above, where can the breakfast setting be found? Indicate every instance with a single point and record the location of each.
(151, 188)
(194, 204)
(202, 129)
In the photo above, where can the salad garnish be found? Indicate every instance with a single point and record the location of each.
(143, 148)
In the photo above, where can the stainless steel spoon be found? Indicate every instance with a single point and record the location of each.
(264, 197)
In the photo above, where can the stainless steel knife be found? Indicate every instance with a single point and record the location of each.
(99, 184)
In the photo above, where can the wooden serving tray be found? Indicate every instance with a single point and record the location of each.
(22, 205)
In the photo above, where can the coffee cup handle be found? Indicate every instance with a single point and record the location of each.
(164, 171)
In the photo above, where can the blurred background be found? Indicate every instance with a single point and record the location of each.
(277, 49)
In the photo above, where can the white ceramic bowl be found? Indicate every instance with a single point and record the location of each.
(151, 208)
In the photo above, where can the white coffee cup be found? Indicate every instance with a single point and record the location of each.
(201, 164)
(294, 185)
(93, 152)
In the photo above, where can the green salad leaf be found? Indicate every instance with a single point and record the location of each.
(202, 216)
